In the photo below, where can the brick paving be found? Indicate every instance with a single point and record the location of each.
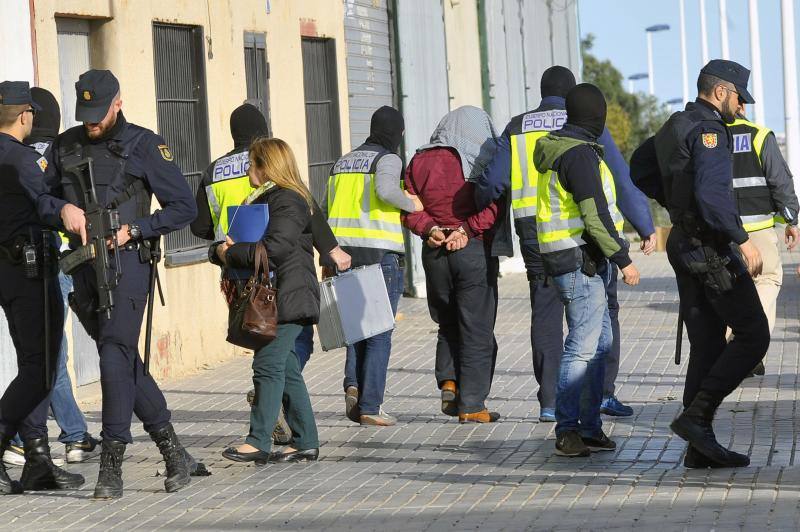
(430, 473)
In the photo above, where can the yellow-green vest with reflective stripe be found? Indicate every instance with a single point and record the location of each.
(356, 215)
(229, 187)
(524, 176)
(558, 219)
(753, 198)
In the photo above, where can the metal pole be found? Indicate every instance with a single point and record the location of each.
(684, 66)
(650, 80)
(790, 90)
(703, 32)
(723, 28)
(755, 63)
(630, 86)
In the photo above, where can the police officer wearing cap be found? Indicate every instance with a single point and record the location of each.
(715, 283)
(131, 164)
(24, 405)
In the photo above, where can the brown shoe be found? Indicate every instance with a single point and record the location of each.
(484, 416)
(351, 409)
(449, 395)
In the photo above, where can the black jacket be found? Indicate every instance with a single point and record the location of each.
(288, 243)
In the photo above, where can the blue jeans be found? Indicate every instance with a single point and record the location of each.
(304, 345)
(580, 379)
(68, 416)
(368, 360)
(65, 410)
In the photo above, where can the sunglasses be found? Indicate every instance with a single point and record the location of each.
(32, 111)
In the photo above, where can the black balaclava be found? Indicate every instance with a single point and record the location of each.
(557, 81)
(47, 122)
(586, 108)
(386, 128)
(247, 123)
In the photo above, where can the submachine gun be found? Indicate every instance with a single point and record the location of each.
(102, 225)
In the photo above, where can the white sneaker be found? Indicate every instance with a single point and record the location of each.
(14, 455)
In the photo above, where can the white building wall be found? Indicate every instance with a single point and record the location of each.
(15, 41)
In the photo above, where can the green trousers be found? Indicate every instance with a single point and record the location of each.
(277, 379)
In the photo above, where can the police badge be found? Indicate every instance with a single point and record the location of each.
(166, 154)
(710, 140)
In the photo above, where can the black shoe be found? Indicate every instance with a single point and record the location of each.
(40, 473)
(174, 458)
(759, 369)
(696, 460)
(694, 426)
(7, 486)
(232, 453)
(571, 444)
(109, 481)
(306, 455)
(599, 443)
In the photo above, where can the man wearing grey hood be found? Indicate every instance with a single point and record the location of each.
(460, 258)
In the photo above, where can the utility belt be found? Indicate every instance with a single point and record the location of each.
(73, 259)
(37, 255)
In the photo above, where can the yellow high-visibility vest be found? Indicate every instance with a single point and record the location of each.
(753, 198)
(558, 220)
(524, 176)
(356, 215)
(229, 187)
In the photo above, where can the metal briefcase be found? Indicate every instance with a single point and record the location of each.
(353, 306)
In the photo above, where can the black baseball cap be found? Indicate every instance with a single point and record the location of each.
(17, 93)
(732, 72)
(94, 90)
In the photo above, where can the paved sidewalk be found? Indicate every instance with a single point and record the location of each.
(430, 473)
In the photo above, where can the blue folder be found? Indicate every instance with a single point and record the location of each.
(248, 223)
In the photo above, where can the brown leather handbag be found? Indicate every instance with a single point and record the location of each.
(253, 315)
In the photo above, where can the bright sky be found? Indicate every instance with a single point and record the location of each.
(618, 26)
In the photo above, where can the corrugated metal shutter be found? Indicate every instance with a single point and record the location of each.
(323, 130)
(73, 60)
(552, 41)
(424, 94)
(182, 114)
(369, 63)
(256, 71)
(506, 60)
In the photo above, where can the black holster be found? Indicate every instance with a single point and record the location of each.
(713, 271)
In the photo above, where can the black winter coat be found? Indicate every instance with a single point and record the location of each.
(289, 246)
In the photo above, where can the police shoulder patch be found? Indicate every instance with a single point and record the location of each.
(42, 162)
(710, 140)
(166, 153)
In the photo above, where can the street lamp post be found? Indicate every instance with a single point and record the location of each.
(635, 77)
(790, 105)
(723, 29)
(703, 31)
(650, 31)
(755, 62)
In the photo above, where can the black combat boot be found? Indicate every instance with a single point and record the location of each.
(40, 473)
(694, 426)
(696, 460)
(175, 458)
(109, 481)
(7, 486)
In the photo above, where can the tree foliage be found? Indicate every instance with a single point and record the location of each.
(631, 117)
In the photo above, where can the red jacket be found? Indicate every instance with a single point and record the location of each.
(436, 176)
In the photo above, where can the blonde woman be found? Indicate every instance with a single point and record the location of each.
(276, 370)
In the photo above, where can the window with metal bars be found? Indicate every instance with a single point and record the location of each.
(182, 118)
(256, 71)
(323, 131)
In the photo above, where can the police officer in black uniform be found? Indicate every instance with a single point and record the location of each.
(130, 165)
(24, 405)
(713, 260)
